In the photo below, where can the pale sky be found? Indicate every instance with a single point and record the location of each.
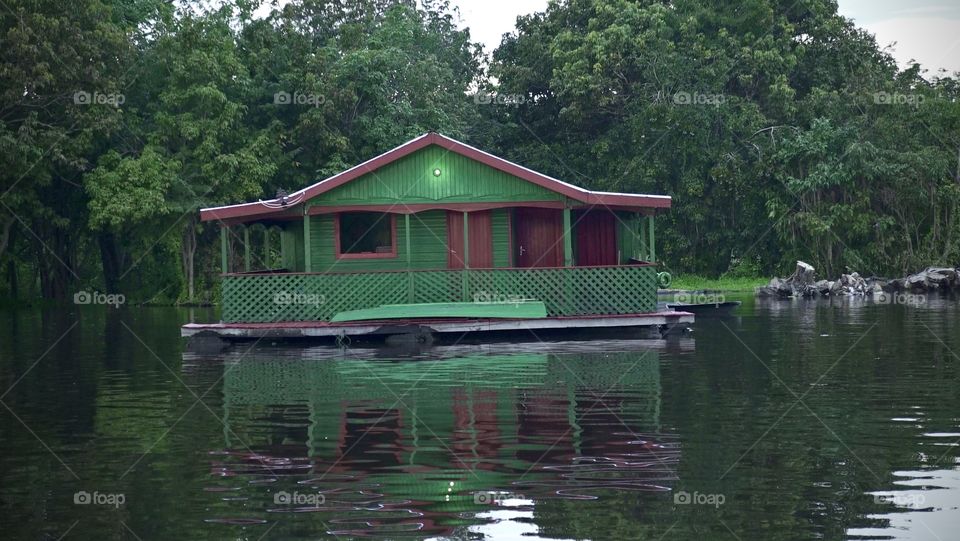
(925, 30)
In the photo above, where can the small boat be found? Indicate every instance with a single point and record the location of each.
(706, 309)
(442, 310)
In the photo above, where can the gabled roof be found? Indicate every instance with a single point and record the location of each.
(587, 197)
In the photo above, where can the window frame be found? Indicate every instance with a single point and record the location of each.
(392, 254)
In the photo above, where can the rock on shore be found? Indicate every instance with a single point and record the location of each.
(802, 284)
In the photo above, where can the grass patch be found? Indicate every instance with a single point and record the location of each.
(695, 283)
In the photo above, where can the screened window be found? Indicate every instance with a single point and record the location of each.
(366, 234)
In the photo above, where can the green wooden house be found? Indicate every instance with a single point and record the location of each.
(437, 223)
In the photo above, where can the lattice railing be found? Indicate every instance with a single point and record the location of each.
(317, 297)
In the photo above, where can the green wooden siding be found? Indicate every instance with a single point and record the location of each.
(633, 237)
(428, 240)
(411, 180)
(500, 226)
(625, 239)
(291, 242)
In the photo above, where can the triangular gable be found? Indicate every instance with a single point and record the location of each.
(434, 174)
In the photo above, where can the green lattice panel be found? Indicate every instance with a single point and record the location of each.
(513, 285)
(307, 297)
(572, 291)
(614, 290)
(317, 297)
(437, 286)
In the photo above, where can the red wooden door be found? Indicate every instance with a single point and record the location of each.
(481, 240)
(596, 238)
(539, 234)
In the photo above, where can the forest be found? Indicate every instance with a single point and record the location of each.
(781, 129)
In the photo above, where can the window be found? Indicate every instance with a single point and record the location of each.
(365, 235)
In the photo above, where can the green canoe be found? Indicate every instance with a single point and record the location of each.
(468, 310)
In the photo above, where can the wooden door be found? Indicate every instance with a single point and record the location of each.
(596, 232)
(480, 235)
(539, 234)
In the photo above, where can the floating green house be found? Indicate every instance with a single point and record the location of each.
(436, 231)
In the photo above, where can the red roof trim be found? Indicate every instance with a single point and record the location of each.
(573, 192)
(414, 208)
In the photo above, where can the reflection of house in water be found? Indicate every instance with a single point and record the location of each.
(402, 445)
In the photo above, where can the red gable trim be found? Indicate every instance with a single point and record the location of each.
(398, 208)
(574, 192)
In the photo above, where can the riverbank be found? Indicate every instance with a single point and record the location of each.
(700, 283)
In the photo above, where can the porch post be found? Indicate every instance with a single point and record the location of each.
(246, 248)
(643, 247)
(465, 273)
(567, 240)
(406, 234)
(306, 241)
(224, 268)
(653, 251)
(636, 234)
(466, 240)
(266, 248)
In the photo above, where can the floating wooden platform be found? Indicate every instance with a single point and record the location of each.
(316, 329)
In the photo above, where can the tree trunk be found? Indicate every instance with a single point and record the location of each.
(110, 260)
(5, 234)
(957, 176)
(55, 264)
(12, 279)
(803, 274)
(188, 248)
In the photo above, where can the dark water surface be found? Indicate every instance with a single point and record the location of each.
(794, 420)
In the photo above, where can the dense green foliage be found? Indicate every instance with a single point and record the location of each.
(781, 130)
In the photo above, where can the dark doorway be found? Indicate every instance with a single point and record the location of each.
(539, 235)
(596, 232)
(481, 240)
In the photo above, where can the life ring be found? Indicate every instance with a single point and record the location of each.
(664, 280)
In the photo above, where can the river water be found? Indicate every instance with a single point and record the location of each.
(791, 420)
